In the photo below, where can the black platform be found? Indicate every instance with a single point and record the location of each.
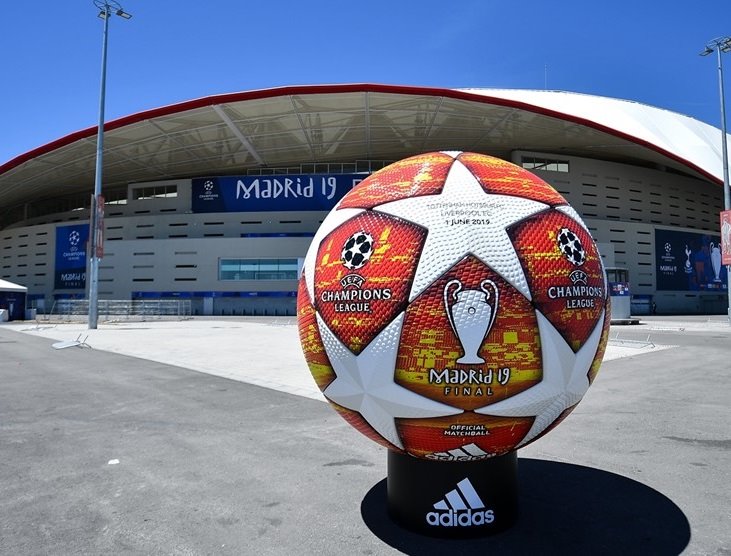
(453, 499)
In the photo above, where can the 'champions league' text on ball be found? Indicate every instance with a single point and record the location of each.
(355, 300)
(577, 296)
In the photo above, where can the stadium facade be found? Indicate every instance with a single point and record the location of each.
(217, 199)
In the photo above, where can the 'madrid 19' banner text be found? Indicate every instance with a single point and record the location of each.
(271, 193)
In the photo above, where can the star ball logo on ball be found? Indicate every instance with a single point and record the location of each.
(453, 307)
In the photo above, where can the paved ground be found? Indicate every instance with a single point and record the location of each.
(125, 449)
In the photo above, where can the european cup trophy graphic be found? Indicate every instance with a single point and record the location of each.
(453, 308)
(471, 316)
(716, 261)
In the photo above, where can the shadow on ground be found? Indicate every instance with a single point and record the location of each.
(564, 509)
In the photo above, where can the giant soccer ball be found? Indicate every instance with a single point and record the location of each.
(453, 307)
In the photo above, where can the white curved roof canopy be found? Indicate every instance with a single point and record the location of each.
(686, 137)
(232, 133)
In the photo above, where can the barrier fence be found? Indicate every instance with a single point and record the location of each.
(115, 309)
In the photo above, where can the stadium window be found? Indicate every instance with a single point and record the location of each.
(155, 192)
(257, 269)
(547, 164)
(118, 197)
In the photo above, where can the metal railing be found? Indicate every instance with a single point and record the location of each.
(119, 309)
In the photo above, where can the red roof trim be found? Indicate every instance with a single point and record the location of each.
(334, 89)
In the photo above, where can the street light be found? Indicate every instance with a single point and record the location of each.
(107, 8)
(723, 44)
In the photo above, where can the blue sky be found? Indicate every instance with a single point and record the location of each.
(172, 51)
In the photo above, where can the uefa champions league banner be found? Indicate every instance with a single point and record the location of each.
(271, 193)
(687, 261)
(71, 242)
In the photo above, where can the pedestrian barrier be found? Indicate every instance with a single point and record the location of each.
(110, 310)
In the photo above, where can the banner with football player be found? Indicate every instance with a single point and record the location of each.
(689, 261)
(726, 237)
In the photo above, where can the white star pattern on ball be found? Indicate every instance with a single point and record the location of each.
(565, 380)
(449, 240)
(365, 382)
(332, 221)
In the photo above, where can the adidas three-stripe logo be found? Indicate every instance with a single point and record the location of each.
(463, 497)
(461, 507)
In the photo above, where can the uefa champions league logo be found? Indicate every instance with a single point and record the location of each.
(353, 297)
(208, 193)
(74, 238)
(357, 250)
(570, 245)
(356, 253)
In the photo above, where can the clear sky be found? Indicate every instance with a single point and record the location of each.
(172, 51)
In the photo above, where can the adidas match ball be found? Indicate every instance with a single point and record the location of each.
(453, 307)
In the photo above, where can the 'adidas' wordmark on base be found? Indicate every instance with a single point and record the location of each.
(461, 507)
(470, 452)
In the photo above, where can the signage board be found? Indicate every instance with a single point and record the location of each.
(302, 192)
(689, 261)
(71, 247)
(726, 237)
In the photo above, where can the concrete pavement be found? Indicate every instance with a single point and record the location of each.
(128, 448)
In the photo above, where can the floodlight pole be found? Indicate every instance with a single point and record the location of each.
(720, 45)
(106, 9)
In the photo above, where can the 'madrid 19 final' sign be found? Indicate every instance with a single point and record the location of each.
(70, 273)
(271, 193)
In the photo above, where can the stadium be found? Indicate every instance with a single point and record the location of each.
(215, 200)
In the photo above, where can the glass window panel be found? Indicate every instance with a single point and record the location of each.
(257, 269)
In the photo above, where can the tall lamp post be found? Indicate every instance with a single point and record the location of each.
(721, 45)
(107, 8)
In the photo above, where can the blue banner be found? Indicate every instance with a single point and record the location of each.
(71, 245)
(271, 193)
(619, 289)
(689, 261)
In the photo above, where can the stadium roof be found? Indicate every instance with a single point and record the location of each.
(229, 134)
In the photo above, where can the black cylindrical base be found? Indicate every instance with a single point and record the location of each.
(453, 499)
